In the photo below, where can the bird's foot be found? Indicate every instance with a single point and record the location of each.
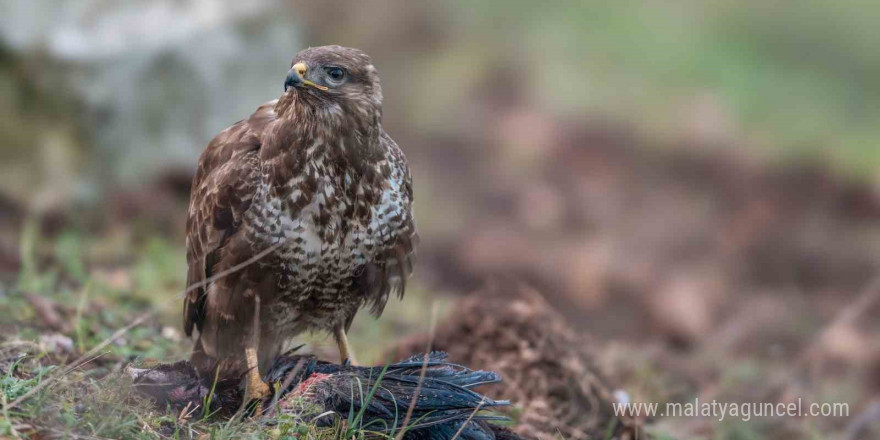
(256, 390)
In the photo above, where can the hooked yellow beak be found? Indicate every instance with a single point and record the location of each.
(297, 75)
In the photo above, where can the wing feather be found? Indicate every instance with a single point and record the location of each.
(394, 266)
(222, 191)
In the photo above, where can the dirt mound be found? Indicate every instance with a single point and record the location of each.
(548, 372)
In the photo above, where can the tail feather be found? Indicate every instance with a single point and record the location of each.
(444, 400)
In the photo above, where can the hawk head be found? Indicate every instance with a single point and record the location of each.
(335, 78)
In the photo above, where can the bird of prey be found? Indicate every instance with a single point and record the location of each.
(324, 392)
(300, 215)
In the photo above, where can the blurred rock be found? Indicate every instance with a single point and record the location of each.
(685, 305)
(115, 278)
(56, 343)
(152, 99)
(845, 342)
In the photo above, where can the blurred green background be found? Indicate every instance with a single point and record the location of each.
(126, 90)
(691, 178)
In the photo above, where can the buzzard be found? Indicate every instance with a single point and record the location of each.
(300, 215)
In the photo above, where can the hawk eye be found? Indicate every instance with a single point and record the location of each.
(335, 73)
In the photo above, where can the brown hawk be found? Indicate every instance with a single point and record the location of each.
(300, 215)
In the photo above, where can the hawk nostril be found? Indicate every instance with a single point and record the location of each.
(300, 68)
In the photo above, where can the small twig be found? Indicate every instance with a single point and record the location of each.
(470, 417)
(325, 413)
(233, 269)
(90, 360)
(415, 397)
(19, 343)
(186, 413)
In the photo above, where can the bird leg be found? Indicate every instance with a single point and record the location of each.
(345, 353)
(255, 389)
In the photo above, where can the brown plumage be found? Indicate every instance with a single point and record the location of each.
(314, 174)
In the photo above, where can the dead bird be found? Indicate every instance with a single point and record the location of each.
(372, 399)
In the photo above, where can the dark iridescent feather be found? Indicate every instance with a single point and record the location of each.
(445, 400)
(444, 397)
